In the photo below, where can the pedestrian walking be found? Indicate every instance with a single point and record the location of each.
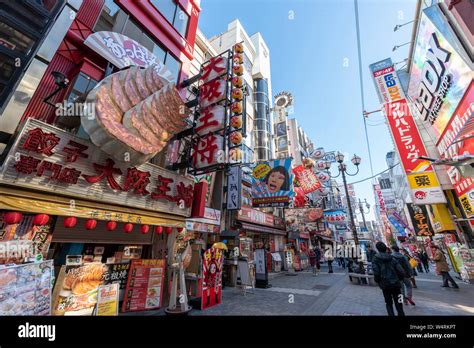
(407, 289)
(442, 268)
(417, 257)
(317, 251)
(312, 259)
(413, 264)
(387, 274)
(329, 258)
(425, 260)
(370, 253)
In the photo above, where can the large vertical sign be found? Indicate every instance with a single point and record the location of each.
(424, 185)
(234, 189)
(421, 222)
(272, 184)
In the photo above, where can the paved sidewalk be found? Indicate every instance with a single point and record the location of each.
(333, 294)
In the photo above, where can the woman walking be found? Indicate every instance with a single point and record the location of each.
(442, 267)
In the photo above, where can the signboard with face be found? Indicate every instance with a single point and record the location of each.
(49, 159)
(272, 184)
(440, 73)
(213, 260)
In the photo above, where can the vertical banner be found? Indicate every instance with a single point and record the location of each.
(421, 222)
(234, 188)
(212, 273)
(306, 178)
(272, 184)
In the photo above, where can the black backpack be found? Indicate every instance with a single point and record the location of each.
(391, 273)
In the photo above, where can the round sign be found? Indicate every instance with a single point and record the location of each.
(319, 153)
(323, 177)
(260, 171)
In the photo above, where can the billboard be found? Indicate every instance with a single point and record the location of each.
(386, 81)
(440, 72)
(421, 222)
(272, 184)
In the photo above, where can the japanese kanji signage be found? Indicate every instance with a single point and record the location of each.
(424, 185)
(449, 148)
(122, 51)
(234, 189)
(306, 178)
(49, 159)
(421, 222)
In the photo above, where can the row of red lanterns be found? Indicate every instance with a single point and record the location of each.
(13, 217)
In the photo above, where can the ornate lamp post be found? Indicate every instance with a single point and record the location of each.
(343, 170)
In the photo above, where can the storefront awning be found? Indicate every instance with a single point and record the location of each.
(262, 229)
(35, 202)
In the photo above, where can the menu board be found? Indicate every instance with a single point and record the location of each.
(118, 273)
(76, 289)
(26, 289)
(144, 285)
(108, 300)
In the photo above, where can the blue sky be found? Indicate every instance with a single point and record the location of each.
(314, 56)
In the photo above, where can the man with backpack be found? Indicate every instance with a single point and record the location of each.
(388, 275)
(407, 288)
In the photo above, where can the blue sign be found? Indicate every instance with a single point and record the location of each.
(397, 225)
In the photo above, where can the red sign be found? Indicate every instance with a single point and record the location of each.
(213, 260)
(144, 288)
(307, 179)
(406, 136)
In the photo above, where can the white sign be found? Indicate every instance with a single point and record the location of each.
(234, 189)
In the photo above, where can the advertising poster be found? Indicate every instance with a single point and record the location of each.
(26, 289)
(281, 129)
(213, 261)
(307, 179)
(272, 184)
(420, 219)
(77, 287)
(118, 273)
(282, 143)
(144, 288)
(108, 300)
(440, 72)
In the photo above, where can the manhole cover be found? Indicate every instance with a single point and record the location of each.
(321, 287)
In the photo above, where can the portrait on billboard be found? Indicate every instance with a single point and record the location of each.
(281, 129)
(272, 184)
(282, 143)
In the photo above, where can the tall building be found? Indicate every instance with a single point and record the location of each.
(258, 80)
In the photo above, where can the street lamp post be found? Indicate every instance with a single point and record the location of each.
(343, 170)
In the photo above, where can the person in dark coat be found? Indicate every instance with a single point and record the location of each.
(317, 251)
(370, 254)
(407, 288)
(443, 268)
(425, 260)
(387, 274)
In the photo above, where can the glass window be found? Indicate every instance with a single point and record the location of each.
(250, 94)
(166, 7)
(14, 40)
(133, 31)
(173, 65)
(109, 17)
(261, 98)
(7, 67)
(159, 53)
(181, 22)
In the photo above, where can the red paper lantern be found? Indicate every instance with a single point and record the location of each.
(158, 230)
(168, 230)
(70, 222)
(179, 229)
(41, 219)
(12, 217)
(128, 228)
(91, 224)
(111, 225)
(144, 229)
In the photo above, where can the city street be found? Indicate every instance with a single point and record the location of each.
(333, 294)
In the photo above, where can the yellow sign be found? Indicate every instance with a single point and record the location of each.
(108, 300)
(423, 180)
(466, 205)
(441, 218)
(261, 170)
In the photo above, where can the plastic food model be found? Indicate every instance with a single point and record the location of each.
(134, 111)
(239, 48)
(235, 138)
(236, 121)
(237, 94)
(237, 81)
(238, 69)
(237, 107)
